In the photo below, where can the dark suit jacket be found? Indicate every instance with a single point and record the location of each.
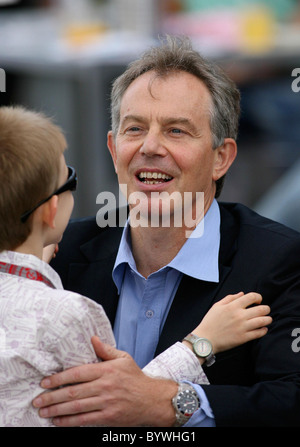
(255, 384)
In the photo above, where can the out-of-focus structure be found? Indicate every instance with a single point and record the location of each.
(60, 56)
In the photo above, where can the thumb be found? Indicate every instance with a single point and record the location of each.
(105, 351)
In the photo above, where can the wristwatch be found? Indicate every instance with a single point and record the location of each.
(185, 403)
(202, 348)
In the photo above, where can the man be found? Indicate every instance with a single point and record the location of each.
(174, 126)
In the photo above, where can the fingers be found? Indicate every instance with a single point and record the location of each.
(84, 373)
(78, 374)
(49, 252)
(249, 299)
(55, 250)
(256, 316)
(256, 333)
(258, 322)
(257, 311)
(85, 378)
(243, 300)
(107, 352)
(65, 394)
(73, 407)
(230, 298)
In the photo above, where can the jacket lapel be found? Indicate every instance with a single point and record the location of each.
(191, 303)
(194, 297)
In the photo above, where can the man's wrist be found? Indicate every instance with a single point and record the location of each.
(161, 410)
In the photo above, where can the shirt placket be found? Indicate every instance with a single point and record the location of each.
(149, 318)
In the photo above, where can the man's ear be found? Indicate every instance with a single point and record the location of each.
(224, 157)
(112, 148)
(50, 211)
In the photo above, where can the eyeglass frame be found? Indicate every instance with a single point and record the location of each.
(70, 185)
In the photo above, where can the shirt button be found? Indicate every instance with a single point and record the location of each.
(149, 313)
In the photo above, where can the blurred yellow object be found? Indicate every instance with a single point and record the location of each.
(257, 29)
(78, 34)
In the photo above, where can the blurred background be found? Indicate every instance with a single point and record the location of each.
(61, 56)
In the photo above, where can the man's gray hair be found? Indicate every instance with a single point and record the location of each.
(177, 54)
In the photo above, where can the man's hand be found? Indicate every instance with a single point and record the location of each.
(113, 393)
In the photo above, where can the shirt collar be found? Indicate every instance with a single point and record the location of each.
(33, 262)
(197, 258)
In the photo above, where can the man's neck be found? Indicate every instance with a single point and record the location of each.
(153, 248)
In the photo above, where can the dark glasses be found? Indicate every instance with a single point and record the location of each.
(70, 185)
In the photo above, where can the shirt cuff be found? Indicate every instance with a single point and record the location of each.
(178, 363)
(204, 417)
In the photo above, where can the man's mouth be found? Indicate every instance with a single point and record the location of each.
(153, 178)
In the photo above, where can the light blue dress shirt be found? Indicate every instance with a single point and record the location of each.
(144, 303)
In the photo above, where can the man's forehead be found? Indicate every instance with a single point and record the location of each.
(170, 88)
(151, 79)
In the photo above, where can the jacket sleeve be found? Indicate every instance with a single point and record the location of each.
(274, 397)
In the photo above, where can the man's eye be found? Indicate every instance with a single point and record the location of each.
(133, 129)
(176, 131)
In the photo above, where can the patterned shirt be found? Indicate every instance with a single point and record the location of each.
(44, 330)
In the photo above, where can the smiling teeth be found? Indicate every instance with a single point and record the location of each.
(154, 176)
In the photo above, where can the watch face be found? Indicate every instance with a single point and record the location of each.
(187, 402)
(202, 347)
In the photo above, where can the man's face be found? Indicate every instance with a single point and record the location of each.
(164, 140)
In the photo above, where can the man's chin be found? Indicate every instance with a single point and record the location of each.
(154, 214)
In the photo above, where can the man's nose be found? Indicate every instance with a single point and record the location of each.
(153, 144)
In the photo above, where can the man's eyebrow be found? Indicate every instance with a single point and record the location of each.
(136, 118)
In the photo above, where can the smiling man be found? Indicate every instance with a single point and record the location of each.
(164, 144)
(164, 132)
(174, 125)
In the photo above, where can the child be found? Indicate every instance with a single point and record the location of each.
(43, 328)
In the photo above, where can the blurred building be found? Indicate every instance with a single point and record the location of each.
(60, 56)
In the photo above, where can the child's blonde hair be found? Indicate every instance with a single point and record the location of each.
(30, 149)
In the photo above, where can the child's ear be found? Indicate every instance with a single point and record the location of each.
(50, 210)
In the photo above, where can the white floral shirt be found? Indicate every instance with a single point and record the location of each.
(44, 330)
